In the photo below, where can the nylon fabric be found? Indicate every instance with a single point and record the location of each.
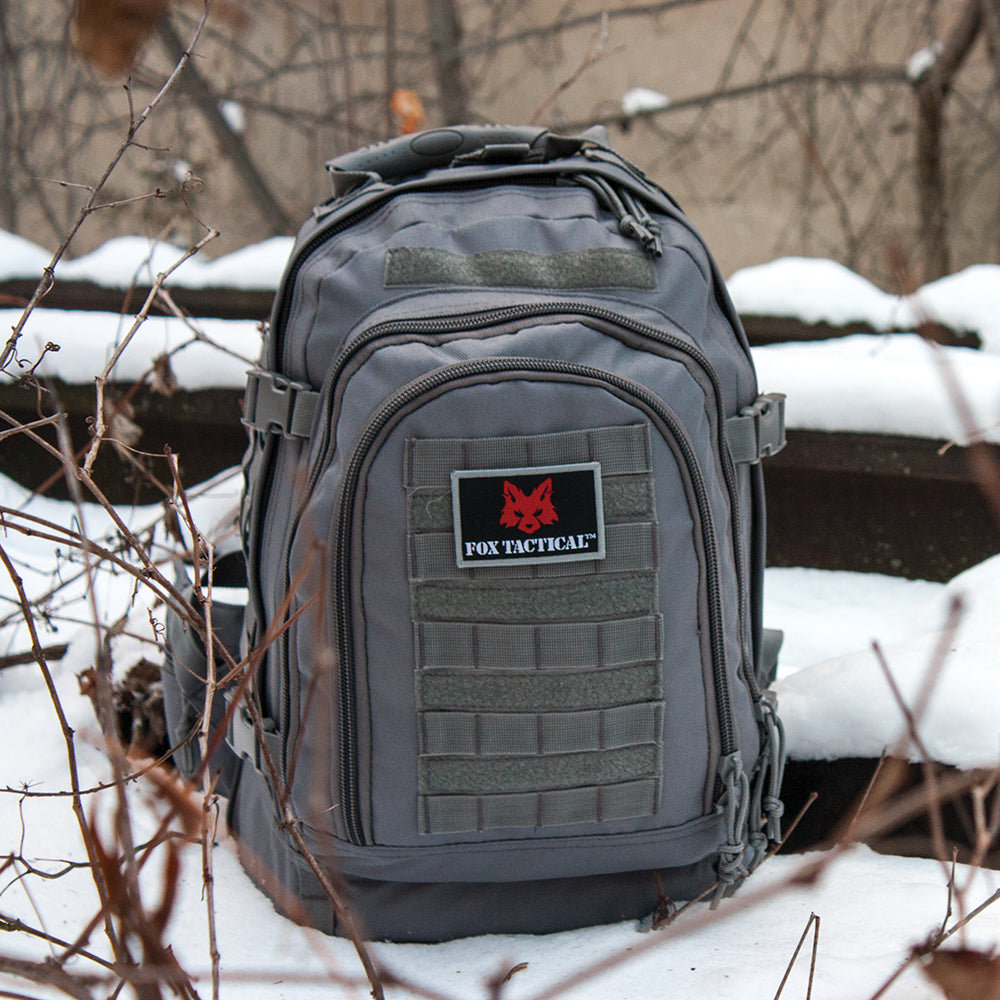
(502, 748)
(524, 690)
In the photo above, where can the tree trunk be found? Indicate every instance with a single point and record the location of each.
(232, 144)
(446, 32)
(932, 88)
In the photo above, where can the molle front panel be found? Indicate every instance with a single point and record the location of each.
(603, 699)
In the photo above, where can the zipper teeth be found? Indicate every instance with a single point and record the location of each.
(493, 317)
(345, 518)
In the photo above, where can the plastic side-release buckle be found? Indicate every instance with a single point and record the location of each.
(758, 431)
(242, 738)
(277, 405)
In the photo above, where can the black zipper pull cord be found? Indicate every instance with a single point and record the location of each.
(633, 220)
(646, 230)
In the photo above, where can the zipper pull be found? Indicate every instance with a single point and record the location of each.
(633, 219)
(734, 804)
(644, 229)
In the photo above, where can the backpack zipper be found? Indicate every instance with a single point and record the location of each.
(344, 524)
(626, 205)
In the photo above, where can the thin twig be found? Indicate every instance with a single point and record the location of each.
(913, 736)
(100, 427)
(811, 924)
(595, 53)
(135, 125)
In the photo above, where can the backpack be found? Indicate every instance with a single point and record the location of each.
(503, 530)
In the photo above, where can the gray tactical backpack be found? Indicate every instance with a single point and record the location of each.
(504, 537)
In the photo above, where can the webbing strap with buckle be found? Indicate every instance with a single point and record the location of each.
(279, 406)
(758, 431)
(243, 740)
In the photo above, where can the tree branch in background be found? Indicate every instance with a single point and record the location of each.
(233, 147)
(136, 123)
(596, 51)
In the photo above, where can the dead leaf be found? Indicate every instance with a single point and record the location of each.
(407, 104)
(122, 431)
(180, 797)
(965, 974)
(110, 33)
(163, 379)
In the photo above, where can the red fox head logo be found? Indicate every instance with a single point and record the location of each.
(528, 513)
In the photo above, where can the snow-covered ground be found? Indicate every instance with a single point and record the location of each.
(834, 697)
(872, 909)
(128, 260)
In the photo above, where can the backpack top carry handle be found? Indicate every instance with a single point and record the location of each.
(461, 144)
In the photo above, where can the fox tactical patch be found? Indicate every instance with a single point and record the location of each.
(544, 514)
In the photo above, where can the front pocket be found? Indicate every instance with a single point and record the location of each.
(375, 718)
(538, 687)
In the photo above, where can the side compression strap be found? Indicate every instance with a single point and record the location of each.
(277, 405)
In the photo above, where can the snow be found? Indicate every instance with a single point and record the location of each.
(127, 260)
(235, 115)
(20, 258)
(843, 705)
(872, 909)
(968, 300)
(889, 384)
(813, 290)
(640, 99)
(834, 697)
(922, 61)
(816, 290)
(87, 339)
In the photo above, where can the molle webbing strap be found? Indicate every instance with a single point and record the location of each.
(530, 772)
(630, 548)
(594, 803)
(524, 690)
(620, 450)
(538, 687)
(576, 645)
(524, 600)
(492, 733)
